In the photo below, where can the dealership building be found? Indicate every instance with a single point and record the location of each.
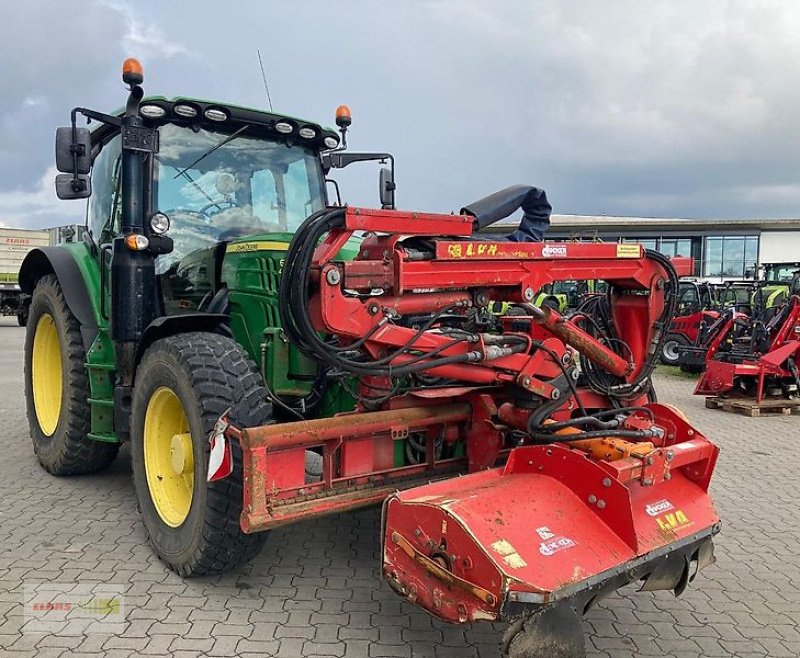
(721, 248)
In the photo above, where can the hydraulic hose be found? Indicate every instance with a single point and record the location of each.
(602, 328)
(295, 293)
(543, 437)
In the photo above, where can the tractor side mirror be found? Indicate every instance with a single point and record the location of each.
(73, 156)
(78, 186)
(386, 188)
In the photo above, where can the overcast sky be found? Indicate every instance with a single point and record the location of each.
(679, 108)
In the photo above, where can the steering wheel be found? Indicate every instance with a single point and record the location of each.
(218, 205)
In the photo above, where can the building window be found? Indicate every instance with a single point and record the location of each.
(676, 247)
(647, 243)
(730, 256)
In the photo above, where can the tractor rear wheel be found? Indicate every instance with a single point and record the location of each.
(183, 385)
(670, 353)
(57, 387)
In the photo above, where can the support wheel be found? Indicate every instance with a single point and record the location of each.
(670, 349)
(183, 385)
(552, 632)
(57, 387)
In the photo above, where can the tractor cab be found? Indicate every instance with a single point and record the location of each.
(192, 205)
(737, 295)
(783, 274)
(209, 184)
(695, 296)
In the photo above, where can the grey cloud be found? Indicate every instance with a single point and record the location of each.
(57, 55)
(678, 108)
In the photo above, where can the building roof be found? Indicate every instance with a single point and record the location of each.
(607, 223)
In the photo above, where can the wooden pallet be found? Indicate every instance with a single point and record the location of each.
(749, 406)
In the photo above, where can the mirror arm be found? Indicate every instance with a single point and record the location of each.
(110, 119)
(340, 160)
(78, 150)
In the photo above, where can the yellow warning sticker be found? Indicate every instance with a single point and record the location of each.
(256, 245)
(503, 547)
(629, 251)
(509, 554)
(515, 561)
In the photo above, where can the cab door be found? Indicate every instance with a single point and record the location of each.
(104, 213)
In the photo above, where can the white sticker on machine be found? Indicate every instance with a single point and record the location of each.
(552, 543)
(654, 509)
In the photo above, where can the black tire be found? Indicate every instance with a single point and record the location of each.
(669, 349)
(208, 373)
(21, 319)
(66, 450)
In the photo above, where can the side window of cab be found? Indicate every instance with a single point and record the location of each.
(103, 214)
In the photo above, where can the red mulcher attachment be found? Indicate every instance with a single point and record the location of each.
(554, 530)
(545, 476)
(553, 524)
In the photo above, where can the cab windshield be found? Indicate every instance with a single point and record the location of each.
(782, 273)
(218, 186)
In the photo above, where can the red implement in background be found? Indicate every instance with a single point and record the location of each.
(765, 355)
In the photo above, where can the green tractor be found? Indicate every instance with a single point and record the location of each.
(780, 281)
(564, 296)
(166, 316)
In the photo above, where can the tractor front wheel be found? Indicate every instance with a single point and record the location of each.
(183, 385)
(57, 387)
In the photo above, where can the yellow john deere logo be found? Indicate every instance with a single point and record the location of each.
(257, 245)
(673, 521)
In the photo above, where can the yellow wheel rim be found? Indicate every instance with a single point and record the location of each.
(168, 456)
(46, 374)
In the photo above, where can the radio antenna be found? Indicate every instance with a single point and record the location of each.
(264, 77)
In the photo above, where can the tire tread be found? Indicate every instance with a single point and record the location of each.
(77, 454)
(222, 375)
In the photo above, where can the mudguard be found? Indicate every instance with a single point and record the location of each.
(60, 261)
(168, 325)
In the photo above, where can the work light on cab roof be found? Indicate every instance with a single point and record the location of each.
(184, 110)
